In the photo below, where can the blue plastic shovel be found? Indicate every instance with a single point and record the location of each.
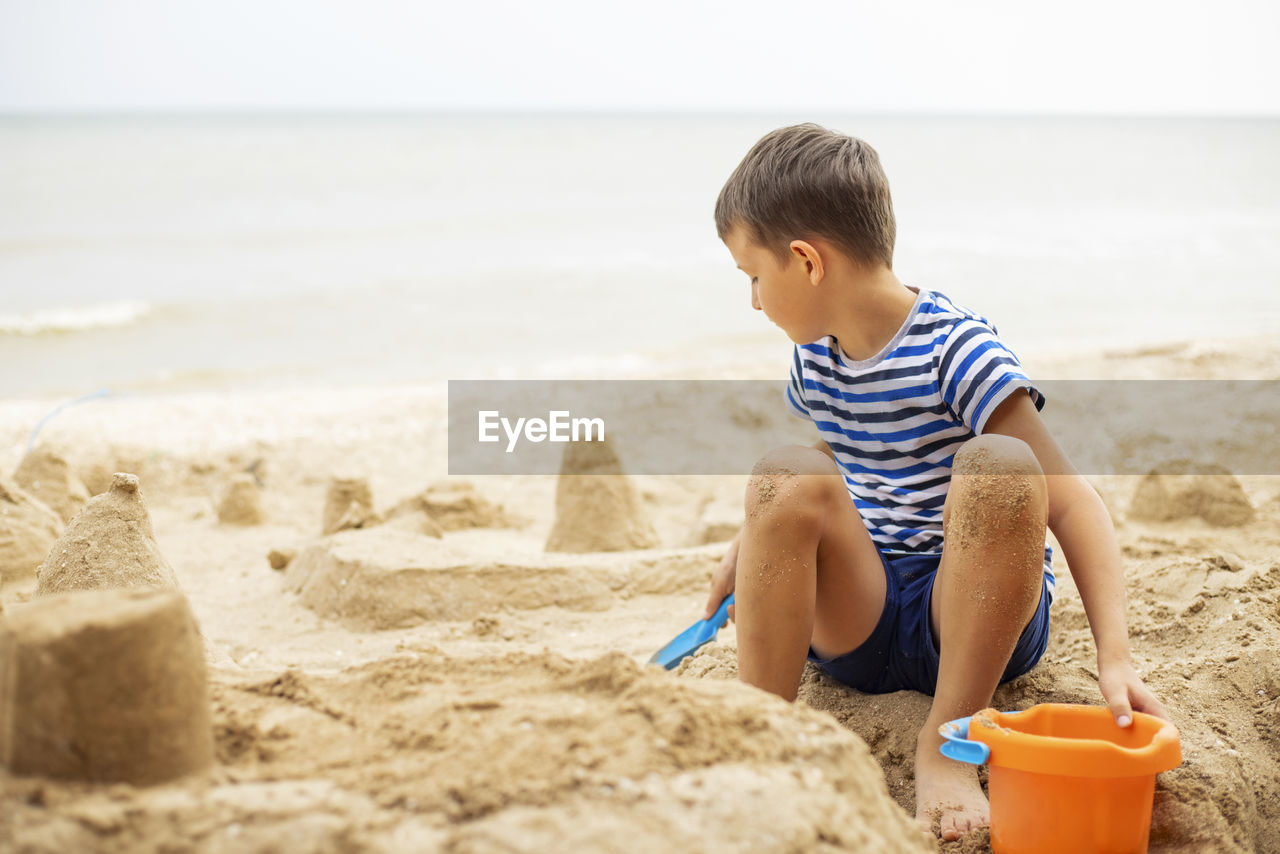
(693, 638)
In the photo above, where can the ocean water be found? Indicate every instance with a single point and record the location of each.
(150, 253)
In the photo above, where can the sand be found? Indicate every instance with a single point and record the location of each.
(1171, 493)
(388, 690)
(452, 506)
(28, 528)
(47, 475)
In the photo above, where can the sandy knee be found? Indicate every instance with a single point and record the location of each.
(993, 453)
(997, 491)
(790, 478)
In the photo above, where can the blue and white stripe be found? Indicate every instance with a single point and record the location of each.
(896, 420)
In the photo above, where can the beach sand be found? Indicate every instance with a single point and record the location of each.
(430, 678)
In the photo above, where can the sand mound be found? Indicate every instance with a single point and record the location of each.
(1172, 492)
(387, 578)
(349, 504)
(1219, 613)
(48, 476)
(454, 506)
(110, 544)
(597, 508)
(28, 529)
(241, 504)
(417, 523)
(104, 686)
(519, 753)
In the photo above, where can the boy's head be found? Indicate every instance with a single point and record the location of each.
(805, 181)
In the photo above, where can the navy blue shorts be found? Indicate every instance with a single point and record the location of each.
(902, 652)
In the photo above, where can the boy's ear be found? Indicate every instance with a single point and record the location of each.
(808, 254)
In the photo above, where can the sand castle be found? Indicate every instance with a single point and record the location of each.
(384, 578)
(597, 508)
(241, 503)
(47, 475)
(110, 544)
(349, 504)
(28, 528)
(104, 686)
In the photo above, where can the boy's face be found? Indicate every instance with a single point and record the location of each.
(784, 292)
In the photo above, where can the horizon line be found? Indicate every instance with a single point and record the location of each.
(582, 112)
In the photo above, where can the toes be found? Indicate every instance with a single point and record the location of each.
(957, 826)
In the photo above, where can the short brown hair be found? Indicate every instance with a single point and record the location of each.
(807, 181)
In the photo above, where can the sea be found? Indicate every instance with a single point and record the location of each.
(153, 253)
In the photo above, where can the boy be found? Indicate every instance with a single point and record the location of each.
(906, 549)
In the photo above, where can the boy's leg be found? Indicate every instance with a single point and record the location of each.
(808, 572)
(985, 593)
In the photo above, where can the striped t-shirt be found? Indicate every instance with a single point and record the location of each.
(896, 420)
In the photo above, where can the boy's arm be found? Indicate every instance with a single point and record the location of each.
(1083, 528)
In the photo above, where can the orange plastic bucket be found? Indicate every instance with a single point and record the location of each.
(1066, 779)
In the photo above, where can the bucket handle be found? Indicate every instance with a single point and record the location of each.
(957, 745)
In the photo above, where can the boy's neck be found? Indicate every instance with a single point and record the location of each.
(874, 307)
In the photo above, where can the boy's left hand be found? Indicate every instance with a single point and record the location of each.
(1124, 692)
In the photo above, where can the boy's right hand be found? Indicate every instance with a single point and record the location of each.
(722, 580)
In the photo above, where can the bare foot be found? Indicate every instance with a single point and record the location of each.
(949, 800)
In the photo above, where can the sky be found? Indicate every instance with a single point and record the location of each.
(931, 56)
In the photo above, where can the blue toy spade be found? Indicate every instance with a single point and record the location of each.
(693, 638)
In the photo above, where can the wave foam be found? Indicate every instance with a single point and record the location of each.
(64, 320)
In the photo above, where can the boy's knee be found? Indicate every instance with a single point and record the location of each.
(793, 479)
(999, 464)
(997, 488)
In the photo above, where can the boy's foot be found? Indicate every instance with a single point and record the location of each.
(949, 799)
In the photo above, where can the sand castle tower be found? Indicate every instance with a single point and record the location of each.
(349, 504)
(47, 475)
(110, 544)
(597, 508)
(241, 503)
(104, 686)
